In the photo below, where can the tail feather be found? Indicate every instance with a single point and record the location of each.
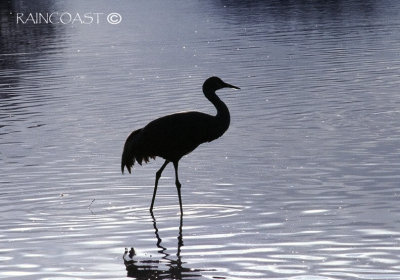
(132, 151)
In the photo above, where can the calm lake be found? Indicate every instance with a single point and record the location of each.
(303, 185)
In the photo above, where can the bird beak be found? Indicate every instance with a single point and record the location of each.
(231, 86)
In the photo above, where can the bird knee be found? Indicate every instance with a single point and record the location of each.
(178, 184)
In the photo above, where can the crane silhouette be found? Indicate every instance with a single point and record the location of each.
(173, 136)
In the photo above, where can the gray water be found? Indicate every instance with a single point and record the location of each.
(303, 185)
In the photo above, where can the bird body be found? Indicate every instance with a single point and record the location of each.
(173, 136)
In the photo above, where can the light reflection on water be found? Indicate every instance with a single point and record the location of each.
(304, 185)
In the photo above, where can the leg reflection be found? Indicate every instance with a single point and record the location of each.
(159, 240)
(167, 267)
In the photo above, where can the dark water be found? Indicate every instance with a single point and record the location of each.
(304, 184)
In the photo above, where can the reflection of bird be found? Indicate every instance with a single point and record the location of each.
(154, 268)
(173, 136)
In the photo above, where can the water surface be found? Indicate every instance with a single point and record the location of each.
(304, 184)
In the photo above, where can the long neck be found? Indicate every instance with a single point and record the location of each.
(222, 119)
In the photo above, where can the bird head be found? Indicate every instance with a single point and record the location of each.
(214, 83)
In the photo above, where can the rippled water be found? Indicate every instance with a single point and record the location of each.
(304, 184)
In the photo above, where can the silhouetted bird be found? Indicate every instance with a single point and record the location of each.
(173, 136)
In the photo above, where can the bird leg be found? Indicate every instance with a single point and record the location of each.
(178, 185)
(158, 175)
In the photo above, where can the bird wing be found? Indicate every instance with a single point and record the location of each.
(175, 135)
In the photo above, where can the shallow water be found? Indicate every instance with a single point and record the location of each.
(304, 184)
